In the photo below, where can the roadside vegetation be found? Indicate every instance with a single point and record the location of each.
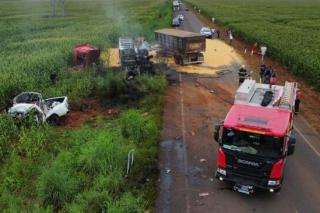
(289, 28)
(53, 169)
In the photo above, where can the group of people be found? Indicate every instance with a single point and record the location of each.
(267, 75)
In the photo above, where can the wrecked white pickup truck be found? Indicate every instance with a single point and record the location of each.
(31, 105)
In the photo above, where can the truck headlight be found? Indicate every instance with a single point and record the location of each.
(273, 182)
(222, 171)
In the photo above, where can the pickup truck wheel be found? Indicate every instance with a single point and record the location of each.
(54, 120)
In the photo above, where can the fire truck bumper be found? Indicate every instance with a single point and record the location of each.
(246, 186)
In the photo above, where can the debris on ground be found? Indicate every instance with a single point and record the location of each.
(168, 170)
(202, 160)
(134, 56)
(192, 133)
(211, 179)
(198, 203)
(204, 176)
(211, 91)
(203, 194)
(178, 137)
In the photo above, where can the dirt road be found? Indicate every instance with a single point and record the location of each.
(187, 154)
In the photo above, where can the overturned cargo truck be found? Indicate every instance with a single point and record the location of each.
(187, 47)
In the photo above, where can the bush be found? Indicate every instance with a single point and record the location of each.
(9, 202)
(8, 133)
(110, 86)
(56, 185)
(137, 127)
(102, 156)
(127, 203)
(90, 201)
(154, 84)
(32, 141)
(113, 183)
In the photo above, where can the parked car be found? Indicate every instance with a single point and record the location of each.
(207, 32)
(31, 105)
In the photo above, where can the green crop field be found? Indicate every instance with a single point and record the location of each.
(32, 41)
(290, 28)
(83, 169)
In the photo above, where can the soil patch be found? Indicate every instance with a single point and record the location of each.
(93, 109)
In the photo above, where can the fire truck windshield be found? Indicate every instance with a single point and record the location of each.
(251, 143)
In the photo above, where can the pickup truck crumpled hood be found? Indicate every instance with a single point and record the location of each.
(21, 108)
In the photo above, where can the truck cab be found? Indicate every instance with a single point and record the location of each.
(256, 137)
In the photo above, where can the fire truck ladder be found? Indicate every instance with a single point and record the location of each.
(288, 96)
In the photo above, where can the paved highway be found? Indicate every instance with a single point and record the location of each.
(188, 153)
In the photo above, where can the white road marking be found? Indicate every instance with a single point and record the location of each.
(307, 141)
(185, 156)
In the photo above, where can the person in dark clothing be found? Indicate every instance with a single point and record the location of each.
(263, 68)
(53, 75)
(243, 74)
(218, 33)
(297, 102)
(267, 76)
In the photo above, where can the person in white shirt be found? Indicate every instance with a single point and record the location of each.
(263, 50)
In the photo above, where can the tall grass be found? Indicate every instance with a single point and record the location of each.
(32, 41)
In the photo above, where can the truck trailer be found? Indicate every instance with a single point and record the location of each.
(256, 137)
(187, 47)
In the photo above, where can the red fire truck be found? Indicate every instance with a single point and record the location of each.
(256, 137)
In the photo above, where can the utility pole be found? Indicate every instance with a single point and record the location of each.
(53, 6)
(63, 10)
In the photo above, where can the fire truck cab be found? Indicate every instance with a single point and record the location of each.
(256, 137)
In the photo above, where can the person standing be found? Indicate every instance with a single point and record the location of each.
(267, 76)
(53, 75)
(230, 36)
(297, 102)
(273, 79)
(263, 50)
(243, 74)
(263, 68)
(254, 48)
(218, 33)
